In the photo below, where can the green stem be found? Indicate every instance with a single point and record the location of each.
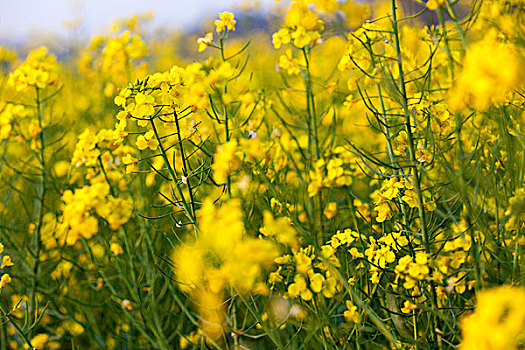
(17, 327)
(173, 176)
(313, 141)
(111, 190)
(185, 167)
(40, 216)
(413, 161)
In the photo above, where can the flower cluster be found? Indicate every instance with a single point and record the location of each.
(40, 70)
(80, 206)
(303, 27)
(336, 170)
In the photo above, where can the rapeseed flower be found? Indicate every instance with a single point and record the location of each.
(226, 22)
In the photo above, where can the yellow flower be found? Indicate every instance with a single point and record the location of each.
(330, 210)
(281, 37)
(301, 37)
(412, 271)
(383, 212)
(192, 338)
(76, 212)
(225, 161)
(63, 269)
(299, 289)
(222, 255)
(126, 304)
(6, 261)
(212, 310)
(144, 107)
(205, 41)
(330, 287)
(316, 282)
(303, 261)
(130, 162)
(346, 237)
(39, 70)
(355, 13)
(147, 140)
(410, 198)
(422, 154)
(275, 276)
(120, 99)
(408, 307)
(280, 228)
(136, 48)
(300, 15)
(226, 22)
(291, 65)
(39, 341)
(5, 280)
(116, 249)
(435, 4)
(116, 211)
(351, 315)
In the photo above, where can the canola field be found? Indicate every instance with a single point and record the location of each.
(351, 177)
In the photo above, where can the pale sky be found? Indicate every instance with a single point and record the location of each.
(24, 20)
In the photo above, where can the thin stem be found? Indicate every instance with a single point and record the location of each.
(17, 327)
(40, 216)
(413, 160)
(185, 167)
(173, 176)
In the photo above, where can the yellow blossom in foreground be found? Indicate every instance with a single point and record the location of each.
(221, 256)
(39, 341)
(498, 323)
(483, 81)
(280, 228)
(225, 161)
(212, 309)
(223, 253)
